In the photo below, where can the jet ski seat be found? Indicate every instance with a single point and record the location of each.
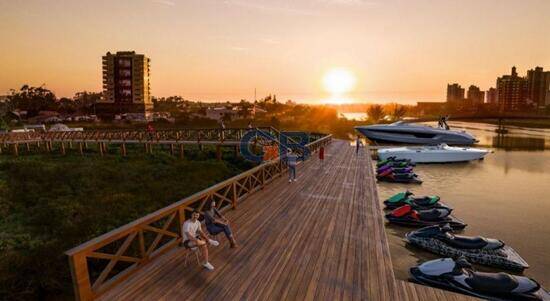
(465, 242)
(491, 282)
(433, 214)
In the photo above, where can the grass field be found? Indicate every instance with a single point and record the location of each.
(50, 203)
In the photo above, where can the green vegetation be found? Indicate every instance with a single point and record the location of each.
(51, 203)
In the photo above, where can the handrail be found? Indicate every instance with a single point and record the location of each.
(130, 244)
(206, 134)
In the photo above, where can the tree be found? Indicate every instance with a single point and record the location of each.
(66, 106)
(244, 108)
(375, 112)
(85, 101)
(396, 111)
(32, 100)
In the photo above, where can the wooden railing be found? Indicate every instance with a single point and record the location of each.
(105, 261)
(200, 135)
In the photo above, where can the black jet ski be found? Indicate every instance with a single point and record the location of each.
(460, 276)
(407, 216)
(399, 178)
(408, 198)
(487, 251)
(393, 159)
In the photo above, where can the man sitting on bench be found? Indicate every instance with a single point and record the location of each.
(194, 237)
(216, 223)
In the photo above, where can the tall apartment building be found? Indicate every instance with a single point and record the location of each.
(491, 96)
(537, 86)
(126, 86)
(454, 93)
(512, 91)
(475, 96)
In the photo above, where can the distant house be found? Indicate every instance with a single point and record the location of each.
(219, 113)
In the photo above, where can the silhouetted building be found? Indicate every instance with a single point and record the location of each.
(547, 76)
(491, 96)
(512, 91)
(475, 96)
(537, 86)
(430, 108)
(126, 87)
(455, 93)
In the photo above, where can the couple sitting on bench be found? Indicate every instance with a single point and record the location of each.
(193, 236)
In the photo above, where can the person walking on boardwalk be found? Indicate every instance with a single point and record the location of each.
(222, 131)
(194, 237)
(216, 223)
(357, 144)
(322, 155)
(151, 131)
(292, 161)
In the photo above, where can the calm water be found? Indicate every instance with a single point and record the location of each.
(505, 196)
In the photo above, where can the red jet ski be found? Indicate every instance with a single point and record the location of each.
(407, 216)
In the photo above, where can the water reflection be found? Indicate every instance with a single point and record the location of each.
(518, 143)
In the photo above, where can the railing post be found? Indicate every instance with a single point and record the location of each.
(234, 200)
(81, 278)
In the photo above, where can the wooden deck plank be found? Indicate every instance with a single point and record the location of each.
(321, 237)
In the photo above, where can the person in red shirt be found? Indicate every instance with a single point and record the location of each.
(151, 131)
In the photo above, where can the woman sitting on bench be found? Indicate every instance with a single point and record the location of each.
(216, 223)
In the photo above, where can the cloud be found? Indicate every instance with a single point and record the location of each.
(349, 2)
(238, 48)
(164, 2)
(269, 41)
(270, 8)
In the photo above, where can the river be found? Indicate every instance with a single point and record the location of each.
(504, 196)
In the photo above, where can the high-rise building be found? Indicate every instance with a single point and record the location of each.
(512, 91)
(547, 85)
(126, 87)
(454, 93)
(475, 96)
(491, 96)
(537, 87)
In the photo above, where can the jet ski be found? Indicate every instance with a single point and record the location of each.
(395, 164)
(391, 171)
(407, 198)
(392, 159)
(407, 216)
(399, 178)
(486, 251)
(460, 276)
(408, 169)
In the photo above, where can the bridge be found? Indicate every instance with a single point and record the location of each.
(321, 237)
(175, 140)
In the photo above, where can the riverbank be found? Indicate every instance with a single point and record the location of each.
(543, 123)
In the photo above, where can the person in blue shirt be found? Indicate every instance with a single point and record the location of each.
(292, 161)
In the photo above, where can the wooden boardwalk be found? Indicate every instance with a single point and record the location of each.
(321, 238)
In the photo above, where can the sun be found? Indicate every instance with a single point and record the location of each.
(339, 81)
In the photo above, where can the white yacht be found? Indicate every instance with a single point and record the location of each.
(433, 154)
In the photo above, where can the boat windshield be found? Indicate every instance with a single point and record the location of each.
(400, 122)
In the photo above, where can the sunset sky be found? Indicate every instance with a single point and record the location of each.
(402, 51)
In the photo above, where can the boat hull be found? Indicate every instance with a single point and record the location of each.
(506, 257)
(433, 154)
(414, 135)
